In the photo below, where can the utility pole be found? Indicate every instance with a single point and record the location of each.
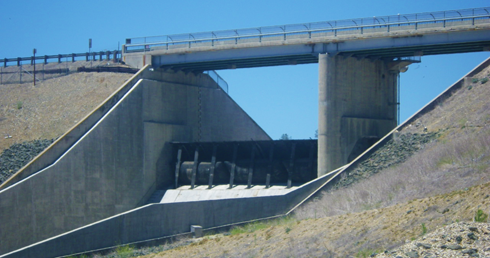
(89, 48)
(34, 63)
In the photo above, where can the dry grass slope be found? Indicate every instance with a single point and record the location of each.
(50, 108)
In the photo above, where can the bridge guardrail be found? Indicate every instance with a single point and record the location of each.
(374, 24)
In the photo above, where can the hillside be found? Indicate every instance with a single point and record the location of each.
(47, 110)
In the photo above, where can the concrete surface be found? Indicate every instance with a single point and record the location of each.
(119, 162)
(219, 192)
(155, 221)
(357, 98)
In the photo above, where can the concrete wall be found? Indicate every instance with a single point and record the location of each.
(63, 143)
(159, 220)
(121, 160)
(351, 92)
(138, 61)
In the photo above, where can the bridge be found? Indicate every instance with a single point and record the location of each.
(384, 37)
(172, 130)
(359, 63)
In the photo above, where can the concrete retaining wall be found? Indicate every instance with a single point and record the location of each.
(158, 220)
(121, 160)
(62, 144)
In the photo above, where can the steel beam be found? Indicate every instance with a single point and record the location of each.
(177, 168)
(251, 168)
(291, 165)
(213, 165)
(271, 166)
(195, 167)
(233, 165)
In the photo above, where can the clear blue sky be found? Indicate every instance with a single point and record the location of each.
(281, 99)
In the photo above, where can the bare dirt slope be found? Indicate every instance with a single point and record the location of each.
(50, 108)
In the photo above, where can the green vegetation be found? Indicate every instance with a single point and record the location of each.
(252, 227)
(81, 256)
(481, 216)
(364, 253)
(462, 122)
(285, 136)
(484, 80)
(124, 251)
(444, 161)
(249, 228)
(424, 229)
(19, 104)
(474, 80)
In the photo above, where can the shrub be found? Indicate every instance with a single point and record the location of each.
(484, 80)
(19, 104)
(124, 251)
(481, 216)
(474, 80)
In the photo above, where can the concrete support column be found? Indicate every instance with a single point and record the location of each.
(329, 147)
(356, 107)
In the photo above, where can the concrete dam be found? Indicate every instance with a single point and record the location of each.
(170, 149)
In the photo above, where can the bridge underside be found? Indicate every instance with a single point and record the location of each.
(387, 54)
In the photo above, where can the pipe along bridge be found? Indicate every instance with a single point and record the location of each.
(282, 162)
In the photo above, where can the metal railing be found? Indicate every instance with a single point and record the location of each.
(215, 76)
(88, 56)
(22, 74)
(374, 24)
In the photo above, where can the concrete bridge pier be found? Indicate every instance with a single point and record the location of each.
(358, 101)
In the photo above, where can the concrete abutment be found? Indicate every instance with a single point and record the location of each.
(115, 164)
(357, 99)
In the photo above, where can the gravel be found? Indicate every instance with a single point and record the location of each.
(463, 239)
(395, 151)
(18, 155)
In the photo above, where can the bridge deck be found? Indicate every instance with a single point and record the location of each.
(383, 37)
